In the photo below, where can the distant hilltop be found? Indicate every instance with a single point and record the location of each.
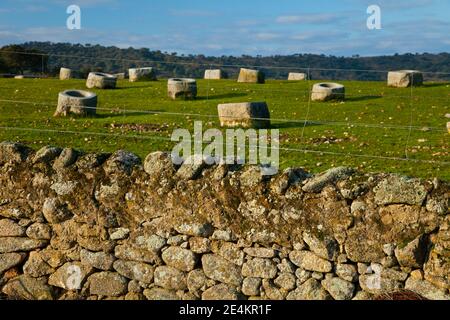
(86, 58)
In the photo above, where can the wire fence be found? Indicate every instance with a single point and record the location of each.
(415, 95)
(304, 150)
(214, 116)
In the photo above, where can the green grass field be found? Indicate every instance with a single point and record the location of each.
(366, 131)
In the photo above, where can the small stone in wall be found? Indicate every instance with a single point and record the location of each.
(220, 292)
(54, 258)
(158, 163)
(389, 249)
(362, 296)
(360, 247)
(438, 205)
(25, 222)
(95, 243)
(302, 276)
(232, 252)
(317, 275)
(15, 213)
(134, 296)
(339, 288)
(135, 270)
(357, 207)
(317, 183)
(326, 248)
(150, 242)
(251, 286)
(108, 284)
(286, 266)
(286, 281)
(259, 268)
(179, 258)
(46, 154)
(39, 231)
(400, 190)
(177, 240)
(16, 244)
(70, 276)
(412, 254)
(195, 229)
(108, 193)
(200, 245)
(363, 268)
(10, 260)
(8, 228)
(36, 266)
(220, 269)
(260, 252)
(28, 288)
(158, 294)
(67, 157)
(121, 161)
(347, 272)
(222, 235)
(289, 177)
(98, 260)
(309, 261)
(65, 188)
(119, 234)
(251, 177)
(91, 161)
(196, 280)
(170, 278)
(310, 290)
(12, 152)
(191, 167)
(342, 258)
(299, 245)
(133, 286)
(426, 289)
(128, 252)
(271, 291)
(392, 273)
(54, 211)
(417, 274)
(375, 284)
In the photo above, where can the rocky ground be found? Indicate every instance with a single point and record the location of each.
(108, 226)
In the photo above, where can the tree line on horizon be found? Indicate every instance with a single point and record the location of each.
(47, 58)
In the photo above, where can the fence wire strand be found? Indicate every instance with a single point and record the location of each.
(321, 152)
(281, 120)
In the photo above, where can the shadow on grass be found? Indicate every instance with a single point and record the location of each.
(117, 114)
(222, 96)
(435, 85)
(292, 124)
(362, 98)
(125, 114)
(132, 87)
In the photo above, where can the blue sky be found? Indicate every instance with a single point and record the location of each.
(236, 27)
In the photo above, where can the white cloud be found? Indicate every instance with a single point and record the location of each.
(85, 3)
(307, 18)
(267, 36)
(192, 13)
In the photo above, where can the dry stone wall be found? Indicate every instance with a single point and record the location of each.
(110, 226)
